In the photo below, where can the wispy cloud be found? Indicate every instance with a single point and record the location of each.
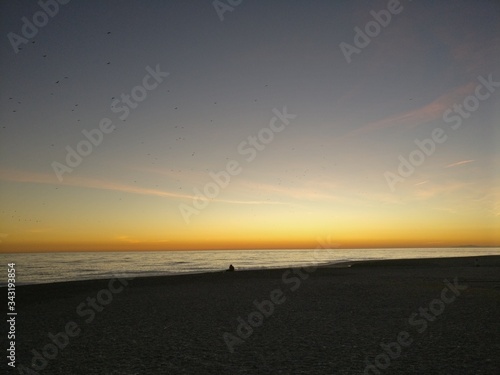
(459, 163)
(327, 192)
(432, 190)
(41, 178)
(421, 183)
(44, 178)
(286, 190)
(490, 201)
(415, 117)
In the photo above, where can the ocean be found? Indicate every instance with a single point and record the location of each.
(35, 268)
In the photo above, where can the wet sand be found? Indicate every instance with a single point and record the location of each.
(387, 317)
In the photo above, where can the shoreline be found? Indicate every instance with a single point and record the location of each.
(341, 264)
(216, 275)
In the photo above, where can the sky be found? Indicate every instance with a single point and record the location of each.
(129, 125)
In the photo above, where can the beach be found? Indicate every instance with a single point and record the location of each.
(426, 316)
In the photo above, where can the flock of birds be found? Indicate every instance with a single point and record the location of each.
(75, 107)
(60, 80)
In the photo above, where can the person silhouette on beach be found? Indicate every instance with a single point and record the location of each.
(230, 269)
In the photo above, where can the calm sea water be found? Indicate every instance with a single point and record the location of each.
(36, 268)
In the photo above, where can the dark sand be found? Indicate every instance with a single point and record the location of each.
(334, 321)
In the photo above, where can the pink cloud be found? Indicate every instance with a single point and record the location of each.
(459, 163)
(41, 178)
(415, 117)
(44, 178)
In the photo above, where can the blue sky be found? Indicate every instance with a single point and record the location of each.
(324, 173)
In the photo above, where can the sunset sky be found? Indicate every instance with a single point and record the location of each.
(327, 171)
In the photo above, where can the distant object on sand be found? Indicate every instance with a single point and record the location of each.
(230, 269)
